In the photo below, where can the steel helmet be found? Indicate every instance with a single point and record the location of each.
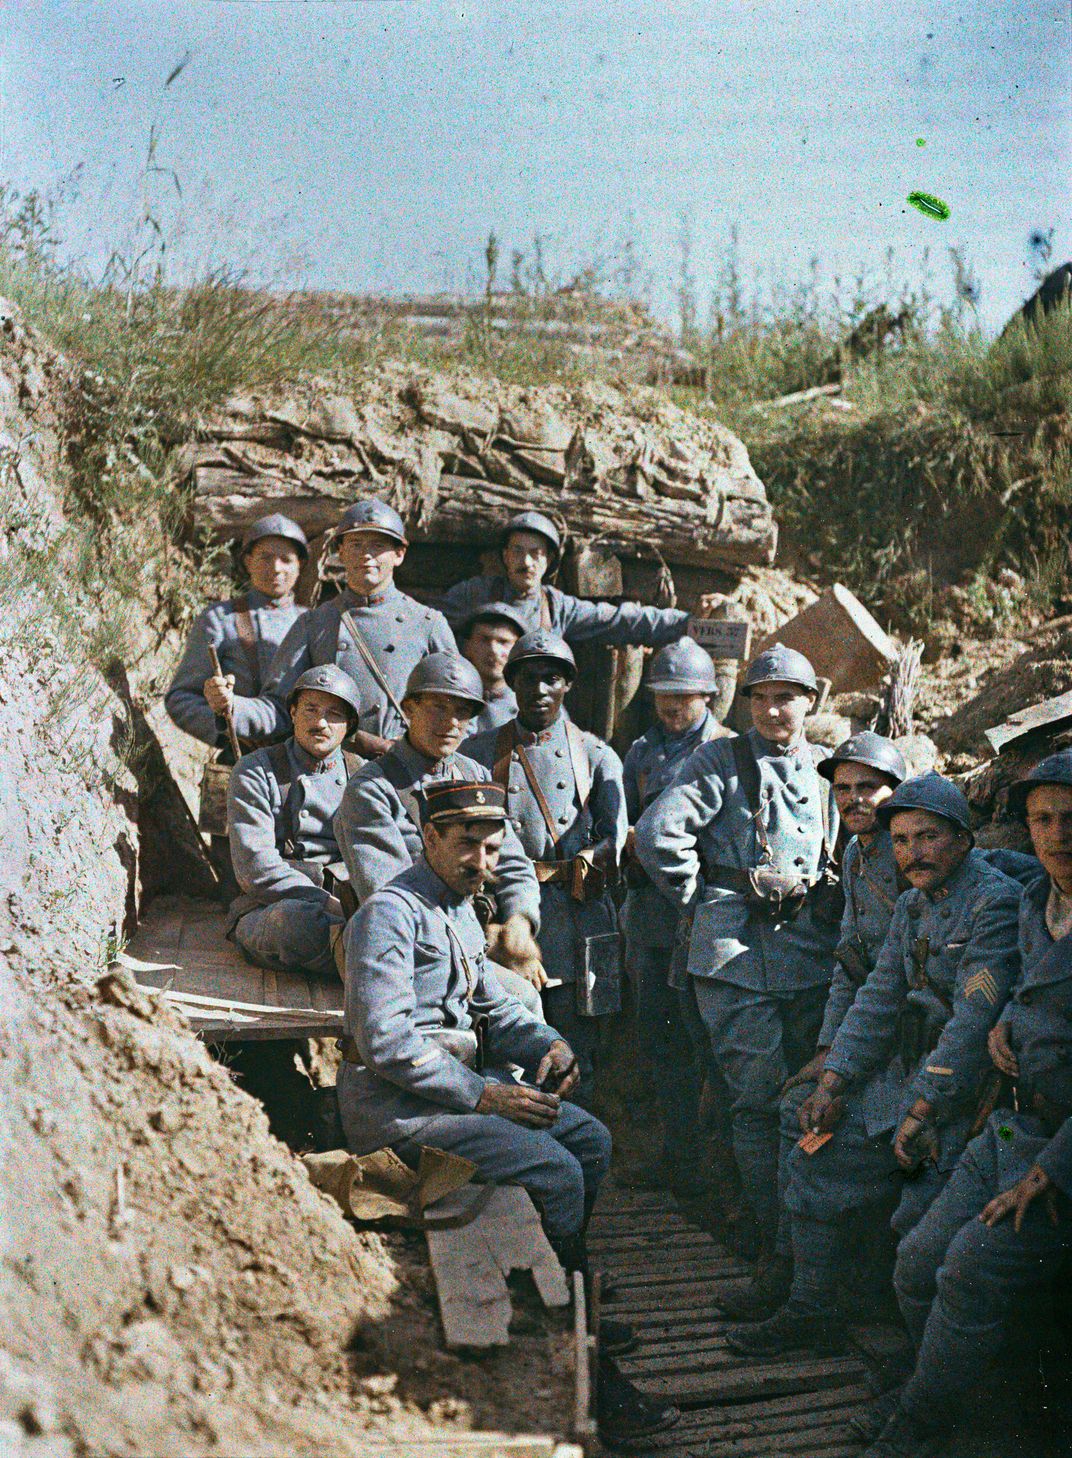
(1055, 769)
(682, 668)
(541, 644)
(373, 515)
(873, 750)
(779, 664)
(932, 792)
(446, 673)
(329, 679)
(491, 612)
(275, 525)
(543, 526)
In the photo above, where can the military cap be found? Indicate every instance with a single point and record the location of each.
(779, 665)
(682, 668)
(328, 678)
(453, 800)
(873, 750)
(373, 516)
(276, 525)
(492, 612)
(1055, 769)
(541, 644)
(932, 792)
(446, 673)
(543, 526)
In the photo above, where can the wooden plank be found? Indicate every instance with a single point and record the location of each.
(1048, 714)
(627, 1279)
(721, 637)
(790, 1410)
(807, 1441)
(754, 1382)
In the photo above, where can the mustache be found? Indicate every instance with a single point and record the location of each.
(919, 866)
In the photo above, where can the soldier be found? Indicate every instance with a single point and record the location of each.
(531, 547)
(899, 1086)
(681, 681)
(485, 637)
(747, 831)
(371, 629)
(1003, 1223)
(378, 822)
(281, 803)
(245, 631)
(416, 1074)
(567, 805)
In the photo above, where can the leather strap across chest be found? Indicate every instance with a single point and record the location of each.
(246, 629)
(507, 743)
(370, 663)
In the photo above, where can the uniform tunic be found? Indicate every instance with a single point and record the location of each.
(869, 878)
(572, 618)
(406, 979)
(217, 627)
(397, 631)
(495, 713)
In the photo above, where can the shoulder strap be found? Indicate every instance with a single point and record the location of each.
(539, 796)
(545, 610)
(748, 778)
(353, 762)
(279, 759)
(247, 636)
(371, 664)
(504, 744)
(582, 770)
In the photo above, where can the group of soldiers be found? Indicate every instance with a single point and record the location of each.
(816, 946)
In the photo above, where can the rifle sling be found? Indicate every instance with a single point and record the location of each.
(247, 636)
(371, 664)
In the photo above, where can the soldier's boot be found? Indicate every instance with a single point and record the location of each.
(766, 1293)
(867, 1425)
(624, 1415)
(904, 1437)
(615, 1337)
(788, 1330)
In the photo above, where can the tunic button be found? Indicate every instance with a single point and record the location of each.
(514, 756)
(516, 824)
(563, 820)
(399, 618)
(561, 784)
(512, 789)
(388, 647)
(799, 861)
(560, 754)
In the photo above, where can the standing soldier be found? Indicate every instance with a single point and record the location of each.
(567, 803)
(531, 547)
(485, 637)
(681, 681)
(245, 631)
(747, 829)
(371, 630)
(281, 804)
(899, 1088)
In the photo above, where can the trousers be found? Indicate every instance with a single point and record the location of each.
(581, 1033)
(289, 936)
(561, 1167)
(665, 1041)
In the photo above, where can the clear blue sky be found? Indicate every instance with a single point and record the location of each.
(372, 144)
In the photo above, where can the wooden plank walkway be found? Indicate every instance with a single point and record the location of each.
(661, 1270)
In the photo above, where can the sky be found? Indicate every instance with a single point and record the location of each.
(372, 145)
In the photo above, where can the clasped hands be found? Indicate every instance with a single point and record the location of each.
(534, 1106)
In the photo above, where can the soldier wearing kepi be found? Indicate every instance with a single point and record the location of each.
(531, 548)
(899, 1086)
(417, 1074)
(281, 804)
(378, 821)
(567, 805)
(486, 637)
(1003, 1223)
(245, 631)
(746, 830)
(681, 682)
(371, 630)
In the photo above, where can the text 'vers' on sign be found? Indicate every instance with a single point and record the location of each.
(721, 638)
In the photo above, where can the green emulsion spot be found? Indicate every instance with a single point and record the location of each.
(1004, 1132)
(930, 206)
(921, 141)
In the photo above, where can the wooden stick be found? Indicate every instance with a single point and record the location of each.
(217, 669)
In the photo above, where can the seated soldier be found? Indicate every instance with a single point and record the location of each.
(280, 807)
(245, 632)
(485, 637)
(898, 1090)
(417, 1075)
(1003, 1223)
(531, 548)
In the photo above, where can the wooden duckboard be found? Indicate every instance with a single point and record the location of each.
(181, 947)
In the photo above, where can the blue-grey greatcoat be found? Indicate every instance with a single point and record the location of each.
(415, 966)
(871, 884)
(280, 835)
(956, 1278)
(217, 627)
(398, 632)
(572, 618)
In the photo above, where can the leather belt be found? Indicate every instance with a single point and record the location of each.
(460, 1043)
(558, 873)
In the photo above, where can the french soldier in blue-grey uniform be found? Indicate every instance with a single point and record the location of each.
(378, 821)
(371, 630)
(531, 547)
(900, 1085)
(1003, 1223)
(567, 804)
(681, 681)
(486, 637)
(245, 631)
(430, 1038)
(747, 830)
(281, 803)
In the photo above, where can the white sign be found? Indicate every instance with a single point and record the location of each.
(722, 639)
